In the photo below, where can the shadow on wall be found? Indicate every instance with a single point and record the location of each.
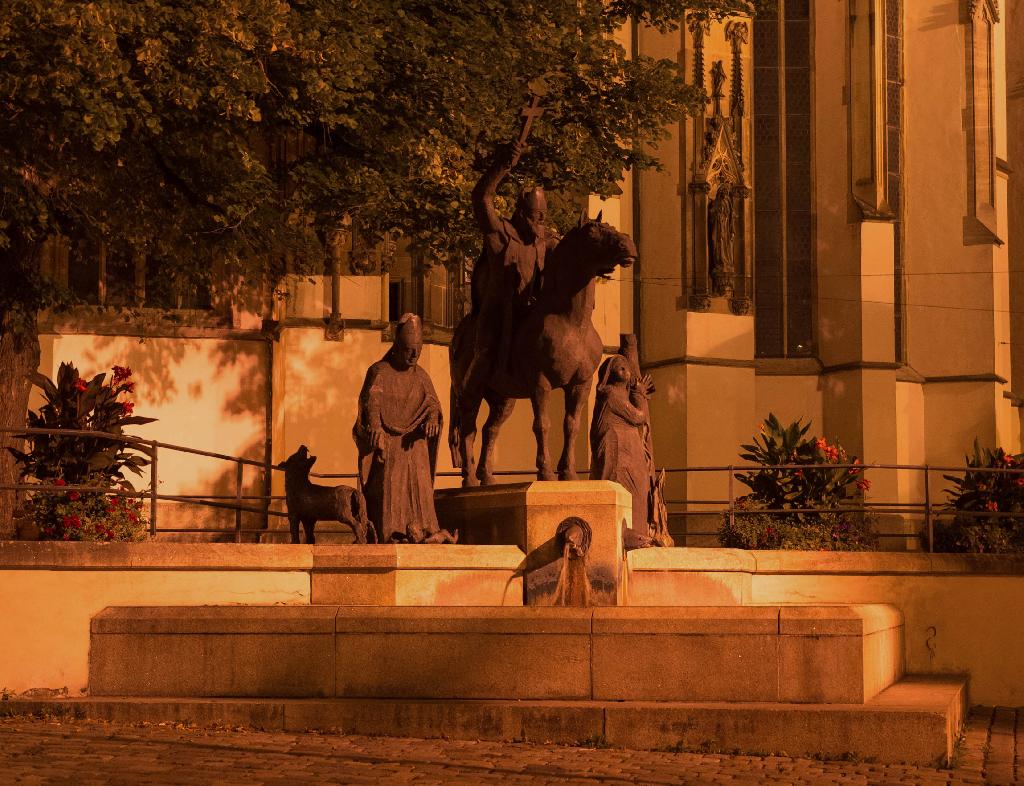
(209, 394)
(218, 480)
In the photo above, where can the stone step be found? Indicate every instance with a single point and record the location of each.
(809, 654)
(917, 720)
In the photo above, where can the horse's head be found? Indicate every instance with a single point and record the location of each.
(598, 246)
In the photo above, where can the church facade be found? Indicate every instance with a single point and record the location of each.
(839, 238)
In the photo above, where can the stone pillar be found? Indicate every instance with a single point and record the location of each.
(529, 515)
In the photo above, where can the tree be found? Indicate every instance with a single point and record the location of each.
(150, 121)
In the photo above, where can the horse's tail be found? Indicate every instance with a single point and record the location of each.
(454, 415)
(454, 432)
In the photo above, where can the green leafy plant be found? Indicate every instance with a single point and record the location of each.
(76, 404)
(797, 507)
(776, 486)
(978, 493)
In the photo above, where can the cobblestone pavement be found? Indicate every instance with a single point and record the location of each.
(86, 752)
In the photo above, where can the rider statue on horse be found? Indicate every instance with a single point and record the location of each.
(530, 330)
(508, 274)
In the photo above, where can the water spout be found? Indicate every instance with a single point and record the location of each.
(573, 587)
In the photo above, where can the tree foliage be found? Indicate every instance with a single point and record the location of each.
(153, 121)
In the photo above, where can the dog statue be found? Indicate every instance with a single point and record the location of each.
(310, 503)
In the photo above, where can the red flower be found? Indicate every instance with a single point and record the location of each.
(863, 484)
(60, 482)
(992, 505)
(121, 373)
(1020, 480)
(72, 522)
(81, 385)
(127, 407)
(74, 496)
(821, 443)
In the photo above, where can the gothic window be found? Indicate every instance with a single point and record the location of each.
(981, 17)
(784, 247)
(111, 274)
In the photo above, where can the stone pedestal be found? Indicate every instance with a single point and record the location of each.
(528, 515)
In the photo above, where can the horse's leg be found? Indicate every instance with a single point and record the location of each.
(467, 415)
(576, 398)
(541, 423)
(500, 410)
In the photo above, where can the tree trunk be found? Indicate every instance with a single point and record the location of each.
(19, 357)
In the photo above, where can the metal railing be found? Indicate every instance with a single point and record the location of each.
(924, 508)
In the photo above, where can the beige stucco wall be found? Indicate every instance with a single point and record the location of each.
(954, 624)
(789, 398)
(44, 614)
(958, 609)
(206, 393)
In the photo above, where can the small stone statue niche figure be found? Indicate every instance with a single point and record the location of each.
(617, 434)
(397, 432)
(721, 237)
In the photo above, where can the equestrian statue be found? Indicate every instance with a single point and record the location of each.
(530, 329)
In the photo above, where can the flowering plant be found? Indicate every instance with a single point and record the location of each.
(817, 487)
(94, 405)
(978, 493)
(74, 403)
(89, 516)
(797, 507)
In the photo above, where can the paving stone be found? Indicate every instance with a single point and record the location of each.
(88, 752)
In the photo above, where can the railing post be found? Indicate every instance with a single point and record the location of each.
(238, 501)
(928, 512)
(153, 479)
(732, 506)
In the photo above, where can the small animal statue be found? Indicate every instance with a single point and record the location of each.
(310, 503)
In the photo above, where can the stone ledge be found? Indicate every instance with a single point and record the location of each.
(715, 560)
(269, 620)
(52, 555)
(839, 620)
(833, 654)
(694, 559)
(515, 620)
(693, 620)
(49, 555)
(917, 720)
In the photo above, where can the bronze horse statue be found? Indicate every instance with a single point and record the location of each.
(555, 346)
